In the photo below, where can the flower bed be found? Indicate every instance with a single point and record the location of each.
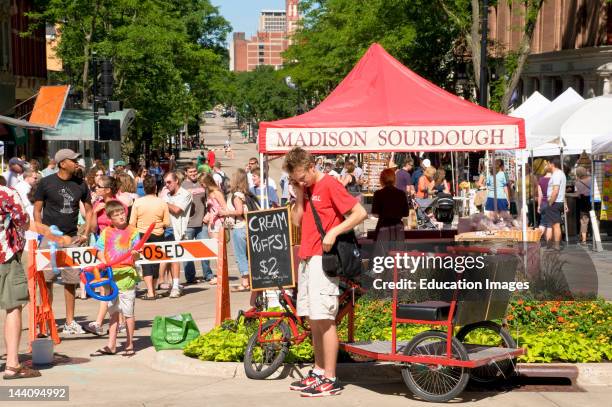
(552, 331)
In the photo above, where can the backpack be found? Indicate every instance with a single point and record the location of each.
(225, 184)
(251, 202)
(353, 187)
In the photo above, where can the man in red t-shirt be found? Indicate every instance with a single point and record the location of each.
(317, 293)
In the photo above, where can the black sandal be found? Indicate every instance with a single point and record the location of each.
(105, 351)
(20, 372)
(148, 298)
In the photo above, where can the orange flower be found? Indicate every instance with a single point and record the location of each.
(519, 302)
(560, 319)
(510, 317)
(553, 309)
(527, 308)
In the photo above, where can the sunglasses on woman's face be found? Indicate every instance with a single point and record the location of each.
(101, 187)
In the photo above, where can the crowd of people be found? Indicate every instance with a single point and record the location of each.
(110, 209)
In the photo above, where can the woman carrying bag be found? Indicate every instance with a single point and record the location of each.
(235, 220)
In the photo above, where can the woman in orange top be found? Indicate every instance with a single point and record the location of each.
(426, 183)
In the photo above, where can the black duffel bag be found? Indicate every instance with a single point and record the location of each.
(344, 258)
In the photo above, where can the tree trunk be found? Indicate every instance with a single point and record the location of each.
(85, 101)
(516, 75)
(532, 11)
(86, 54)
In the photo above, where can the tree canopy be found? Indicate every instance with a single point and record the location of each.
(166, 54)
(336, 33)
(263, 95)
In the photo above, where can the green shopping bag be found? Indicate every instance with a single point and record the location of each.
(173, 332)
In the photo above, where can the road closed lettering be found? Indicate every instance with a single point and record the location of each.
(151, 253)
(165, 252)
(269, 249)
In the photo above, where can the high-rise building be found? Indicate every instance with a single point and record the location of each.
(266, 47)
(272, 21)
(293, 17)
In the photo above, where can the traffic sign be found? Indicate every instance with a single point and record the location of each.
(151, 253)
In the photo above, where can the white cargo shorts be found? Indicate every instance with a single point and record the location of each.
(317, 296)
(124, 303)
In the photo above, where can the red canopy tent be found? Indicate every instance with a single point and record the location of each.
(383, 106)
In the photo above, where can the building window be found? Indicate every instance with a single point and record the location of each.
(536, 84)
(579, 84)
(260, 46)
(557, 86)
(261, 60)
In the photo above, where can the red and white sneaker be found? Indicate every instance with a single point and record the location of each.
(311, 379)
(325, 387)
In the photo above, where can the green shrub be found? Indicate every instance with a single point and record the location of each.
(552, 331)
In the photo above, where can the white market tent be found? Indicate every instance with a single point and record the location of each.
(530, 109)
(592, 119)
(546, 127)
(602, 144)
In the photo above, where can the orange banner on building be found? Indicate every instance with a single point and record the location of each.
(49, 105)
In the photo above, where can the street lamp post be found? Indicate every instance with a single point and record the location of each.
(95, 106)
(289, 82)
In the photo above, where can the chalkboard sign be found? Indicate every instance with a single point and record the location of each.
(269, 249)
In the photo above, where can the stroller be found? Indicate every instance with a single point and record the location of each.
(423, 220)
(444, 208)
(441, 208)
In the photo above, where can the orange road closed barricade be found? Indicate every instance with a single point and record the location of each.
(158, 252)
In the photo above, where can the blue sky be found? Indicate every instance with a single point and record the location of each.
(243, 15)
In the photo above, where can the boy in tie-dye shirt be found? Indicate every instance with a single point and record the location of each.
(114, 242)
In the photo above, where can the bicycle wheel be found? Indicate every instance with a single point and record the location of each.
(261, 359)
(489, 333)
(429, 381)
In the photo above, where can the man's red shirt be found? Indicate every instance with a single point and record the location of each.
(332, 201)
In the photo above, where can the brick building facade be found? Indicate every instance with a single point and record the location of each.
(271, 40)
(571, 46)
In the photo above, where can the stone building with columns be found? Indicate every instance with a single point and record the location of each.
(571, 46)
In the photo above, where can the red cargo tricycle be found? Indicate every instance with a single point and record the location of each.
(436, 364)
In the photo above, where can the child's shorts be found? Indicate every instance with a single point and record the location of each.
(124, 303)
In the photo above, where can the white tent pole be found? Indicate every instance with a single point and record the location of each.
(533, 198)
(495, 184)
(524, 214)
(564, 197)
(261, 186)
(594, 225)
(524, 201)
(453, 171)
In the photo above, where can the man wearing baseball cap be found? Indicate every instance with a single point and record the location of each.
(13, 174)
(418, 172)
(57, 202)
(120, 167)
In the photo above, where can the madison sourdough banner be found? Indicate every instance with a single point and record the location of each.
(391, 138)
